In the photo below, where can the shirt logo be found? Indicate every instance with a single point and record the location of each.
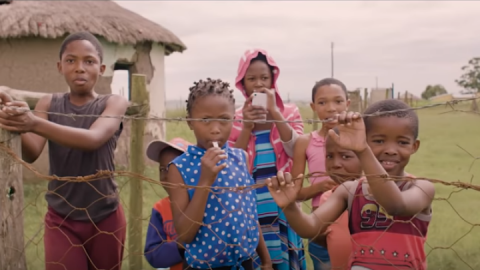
(374, 217)
(170, 229)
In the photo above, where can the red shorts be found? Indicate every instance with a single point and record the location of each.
(83, 245)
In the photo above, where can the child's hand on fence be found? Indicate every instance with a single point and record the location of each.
(16, 116)
(351, 132)
(210, 167)
(284, 189)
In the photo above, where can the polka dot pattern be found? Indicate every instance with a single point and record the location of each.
(230, 233)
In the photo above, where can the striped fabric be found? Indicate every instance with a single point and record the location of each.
(284, 245)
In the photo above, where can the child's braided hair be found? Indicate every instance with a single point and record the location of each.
(209, 87)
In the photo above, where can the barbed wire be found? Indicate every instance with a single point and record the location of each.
(102, 174)
(232, 209)
(450, 104)
(217, 191)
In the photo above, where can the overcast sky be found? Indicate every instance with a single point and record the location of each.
(410, 44)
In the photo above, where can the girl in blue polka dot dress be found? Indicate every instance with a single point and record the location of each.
(214, 218)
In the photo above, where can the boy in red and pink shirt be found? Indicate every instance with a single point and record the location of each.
(388, 220)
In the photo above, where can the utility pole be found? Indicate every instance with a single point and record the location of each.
(332, 57)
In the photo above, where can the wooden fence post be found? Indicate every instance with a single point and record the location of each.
(139, 95)
(365, 101)
(12, 247)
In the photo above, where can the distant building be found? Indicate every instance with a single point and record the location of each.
(377, 94)
(449, 97)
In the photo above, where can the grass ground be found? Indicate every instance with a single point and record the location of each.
(452, 237)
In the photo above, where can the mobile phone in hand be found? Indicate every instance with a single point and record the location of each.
(259, 99)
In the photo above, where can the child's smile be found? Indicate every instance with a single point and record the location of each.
(389, 165)
(392, 141)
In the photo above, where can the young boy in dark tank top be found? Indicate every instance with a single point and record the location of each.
(85, 224)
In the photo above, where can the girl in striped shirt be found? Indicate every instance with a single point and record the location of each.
(270, 149)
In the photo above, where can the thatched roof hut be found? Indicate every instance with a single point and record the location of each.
(55, 19)
(31, 33)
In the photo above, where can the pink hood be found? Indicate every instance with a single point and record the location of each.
(283, 150)
(245, 63)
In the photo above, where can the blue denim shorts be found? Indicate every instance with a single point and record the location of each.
(319, 256)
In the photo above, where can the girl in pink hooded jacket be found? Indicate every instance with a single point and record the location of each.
(270, 149)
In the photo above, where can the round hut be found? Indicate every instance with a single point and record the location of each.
(31, 33)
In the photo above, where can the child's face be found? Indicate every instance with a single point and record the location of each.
(342, 163)
(392, 141)
(167, 155)
(81, 66)
(328, 101)
(257, 76)
(212, 107)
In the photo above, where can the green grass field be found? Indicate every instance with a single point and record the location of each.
(452, 234)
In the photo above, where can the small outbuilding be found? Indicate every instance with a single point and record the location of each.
(31, 33)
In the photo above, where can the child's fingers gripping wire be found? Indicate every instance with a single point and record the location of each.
(283, 189)
(347, 118)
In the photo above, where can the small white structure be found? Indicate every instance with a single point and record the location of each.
(121, 83)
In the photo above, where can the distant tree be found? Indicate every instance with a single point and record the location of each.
(433, 90)
(470, 80)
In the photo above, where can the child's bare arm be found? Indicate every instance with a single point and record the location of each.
(396, 202)
(299, 165)
(187, 215)
(321, 239)
(309, 225)
(312, 225)
(33, 144)
(85, 139)
(243, 137)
